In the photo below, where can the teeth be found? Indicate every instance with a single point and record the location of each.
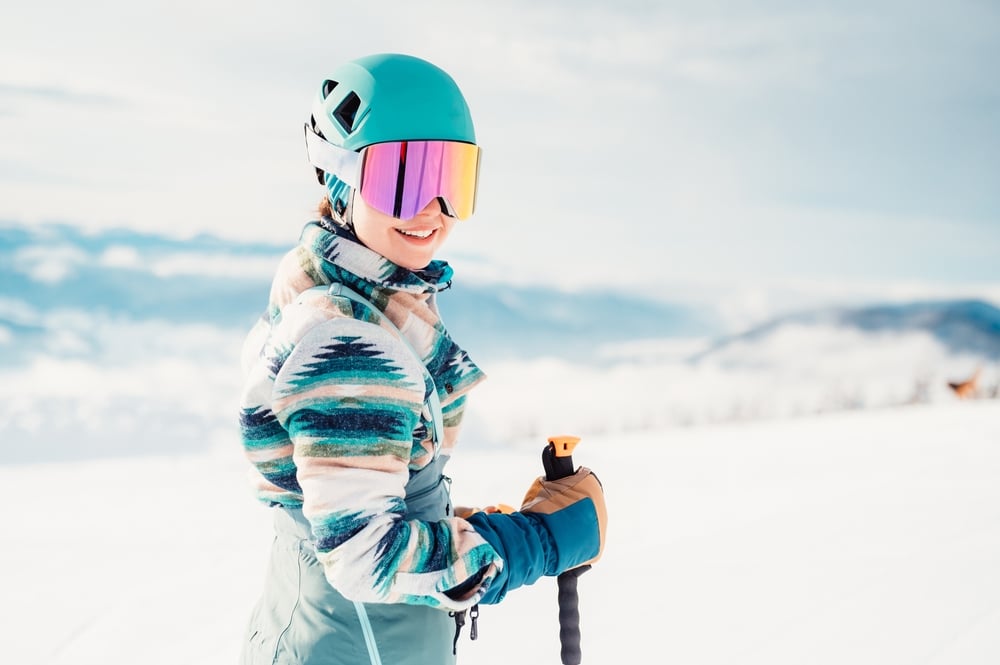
(416, 234)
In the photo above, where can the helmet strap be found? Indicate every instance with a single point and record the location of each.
(343, 212)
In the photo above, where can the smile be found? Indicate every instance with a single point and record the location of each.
(417, 234)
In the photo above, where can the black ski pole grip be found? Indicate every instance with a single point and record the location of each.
(569, 616)
(557, 459)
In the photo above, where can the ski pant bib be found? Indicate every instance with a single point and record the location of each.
(301, 620)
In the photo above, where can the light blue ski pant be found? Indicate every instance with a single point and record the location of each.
(301, 620)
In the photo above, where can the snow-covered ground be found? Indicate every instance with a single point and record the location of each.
(859, 537)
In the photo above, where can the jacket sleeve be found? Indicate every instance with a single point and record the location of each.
(350, 396)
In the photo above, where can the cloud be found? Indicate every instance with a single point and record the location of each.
(213, 265)
(17, 311)
(53, 264)
(173, 264)
(14, 92)
(49, 264)
(120, 256)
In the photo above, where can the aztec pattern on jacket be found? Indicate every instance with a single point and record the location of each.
(334, 418)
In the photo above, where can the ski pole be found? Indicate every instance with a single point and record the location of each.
(557, 459)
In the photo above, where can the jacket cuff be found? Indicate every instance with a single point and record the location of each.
(525, 545)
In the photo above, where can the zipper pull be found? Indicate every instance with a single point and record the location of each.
(449, 510)
(459, 622)
(474, 613)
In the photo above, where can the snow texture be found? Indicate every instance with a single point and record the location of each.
(862, 537)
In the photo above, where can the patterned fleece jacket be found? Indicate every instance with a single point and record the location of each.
(335, 417)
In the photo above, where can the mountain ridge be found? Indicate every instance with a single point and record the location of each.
(965, 325)
(119, 274)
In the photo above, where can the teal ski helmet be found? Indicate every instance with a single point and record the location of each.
(387, 97)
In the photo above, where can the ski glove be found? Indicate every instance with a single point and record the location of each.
(561, 525)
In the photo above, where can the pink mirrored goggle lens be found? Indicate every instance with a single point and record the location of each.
(400, 178)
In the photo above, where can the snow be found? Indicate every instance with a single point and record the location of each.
(792, 371)
(855, 537)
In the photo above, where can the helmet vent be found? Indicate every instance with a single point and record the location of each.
(328, 87)
(346, 110)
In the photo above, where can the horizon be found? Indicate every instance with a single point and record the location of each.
(50, 253)
(91, 354)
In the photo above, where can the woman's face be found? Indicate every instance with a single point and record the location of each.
(410, 243)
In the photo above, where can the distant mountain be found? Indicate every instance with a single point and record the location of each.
(123, 343)
(964, 326)
(142, 276)
(961, 326)
(506, 321)
(121, 272)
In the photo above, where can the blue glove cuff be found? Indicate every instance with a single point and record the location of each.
(576, 533)
(536, 544)
(525, 546)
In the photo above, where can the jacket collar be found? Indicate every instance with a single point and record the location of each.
(342, 257)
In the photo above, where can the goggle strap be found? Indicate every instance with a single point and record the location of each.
(340, 162)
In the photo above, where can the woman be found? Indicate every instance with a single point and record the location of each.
(355, 393)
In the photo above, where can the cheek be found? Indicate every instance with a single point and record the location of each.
(449, 224)
(370, 225)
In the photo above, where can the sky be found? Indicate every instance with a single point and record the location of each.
(864, 537)
(802, 150)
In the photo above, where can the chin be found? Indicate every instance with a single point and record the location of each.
(410, 263)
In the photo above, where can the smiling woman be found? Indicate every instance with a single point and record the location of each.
(355, 392)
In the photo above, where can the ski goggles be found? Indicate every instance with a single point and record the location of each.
(400, 178)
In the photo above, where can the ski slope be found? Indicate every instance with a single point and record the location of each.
(860, 537)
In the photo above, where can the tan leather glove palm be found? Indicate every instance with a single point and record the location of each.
(574, 510)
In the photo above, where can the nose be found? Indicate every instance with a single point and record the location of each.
(431, 209)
